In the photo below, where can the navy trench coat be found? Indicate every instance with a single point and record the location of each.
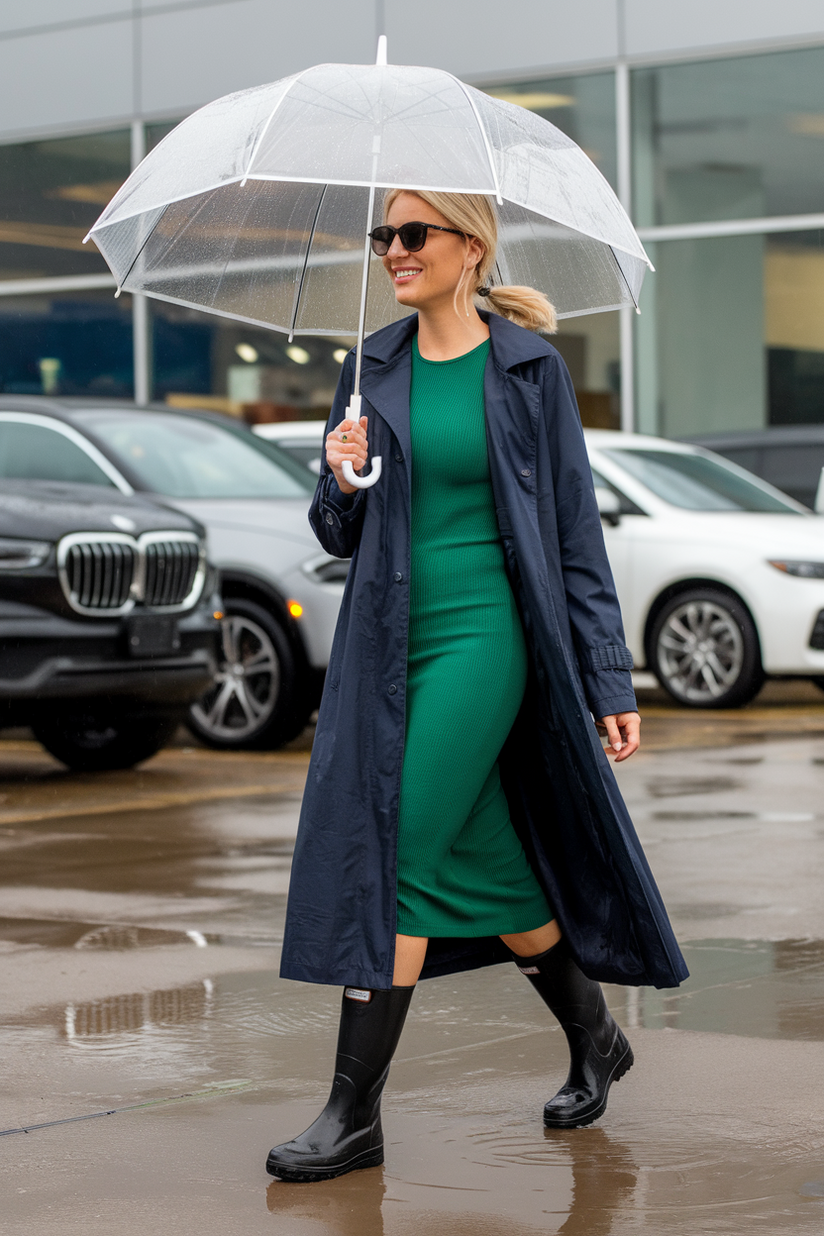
(563, 798)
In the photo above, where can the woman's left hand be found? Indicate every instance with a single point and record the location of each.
(623, 731)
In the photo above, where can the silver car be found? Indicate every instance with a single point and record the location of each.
(281, 591)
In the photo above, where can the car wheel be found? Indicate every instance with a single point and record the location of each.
(94, 741)
(704, 650)
(251, 703)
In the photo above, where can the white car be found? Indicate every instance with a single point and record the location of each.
(720, 576)
(300, 439)
(281, 592)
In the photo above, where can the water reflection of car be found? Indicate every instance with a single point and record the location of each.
(281, 593)
(107, 620)
(720, 576)
(790, 457)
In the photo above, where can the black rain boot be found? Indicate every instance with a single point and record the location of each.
(347, 1134)
(599, 1052)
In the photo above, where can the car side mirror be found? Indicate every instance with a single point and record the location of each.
(609, 505)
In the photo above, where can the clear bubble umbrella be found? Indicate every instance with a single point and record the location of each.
(257, 206)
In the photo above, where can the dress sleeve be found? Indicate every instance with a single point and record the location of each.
(595, 616)
(336, 517)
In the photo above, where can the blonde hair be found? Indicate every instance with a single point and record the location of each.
(475, 215)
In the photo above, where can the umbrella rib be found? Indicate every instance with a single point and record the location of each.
(484, 137)
(149, 236)
(624, 279)
(299, 289)
(269, 120)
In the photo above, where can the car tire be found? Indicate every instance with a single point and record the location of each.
(101, 741)
(704, 650)
(253, 703)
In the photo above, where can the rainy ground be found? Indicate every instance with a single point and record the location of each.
(151, 1056)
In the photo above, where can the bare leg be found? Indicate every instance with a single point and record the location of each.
(410, 952)
(530, 943)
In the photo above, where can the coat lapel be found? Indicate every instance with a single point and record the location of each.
(387, 377)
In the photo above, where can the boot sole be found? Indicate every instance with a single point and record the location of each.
(306, 1175)
(583, 1119)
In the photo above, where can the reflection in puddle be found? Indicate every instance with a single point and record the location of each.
(756, 988)
(115, 937)
(581, 1178)
(675, 787)
(139, 1011)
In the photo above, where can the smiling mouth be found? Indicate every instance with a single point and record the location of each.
(405, 273)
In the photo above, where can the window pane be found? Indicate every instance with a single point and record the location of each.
(729, 139)
(74, 343)
(33, 452)
(582, 107)
(50, 195)
(696, 483)
(155, 133)
(732, 334)
(189, 458)
(795, 469)
(591, 348)
(204, 360)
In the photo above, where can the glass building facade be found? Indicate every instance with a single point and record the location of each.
(719, 161)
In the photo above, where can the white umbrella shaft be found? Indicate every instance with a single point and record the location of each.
(353, 411)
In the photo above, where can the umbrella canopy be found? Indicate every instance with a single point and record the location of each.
(257, 206)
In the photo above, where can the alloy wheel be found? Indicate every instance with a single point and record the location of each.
(700, 651)
(246, 687)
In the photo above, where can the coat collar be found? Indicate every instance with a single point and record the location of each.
(511, 345)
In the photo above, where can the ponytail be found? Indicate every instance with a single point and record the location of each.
(523, 306)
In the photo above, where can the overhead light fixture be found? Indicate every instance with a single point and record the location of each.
(340, 355)
(299, 355)
(247, 353)
(534, 100)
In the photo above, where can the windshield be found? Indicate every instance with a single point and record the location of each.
(183, 457)
(698, 482)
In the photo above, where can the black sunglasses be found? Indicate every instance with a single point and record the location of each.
(413, 236)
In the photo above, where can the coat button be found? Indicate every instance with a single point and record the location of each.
(526, 472)
(398, 577)
(399, 457)
(393, 690)
(330, 519)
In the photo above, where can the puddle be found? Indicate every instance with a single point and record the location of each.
(139, 1011)
(755, 988)
(676, 787)
(117, 937)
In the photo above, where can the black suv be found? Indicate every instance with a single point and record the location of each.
(109, 620)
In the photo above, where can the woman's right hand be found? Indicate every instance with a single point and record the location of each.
(347, 441)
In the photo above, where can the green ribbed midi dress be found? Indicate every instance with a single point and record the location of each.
(461, 869)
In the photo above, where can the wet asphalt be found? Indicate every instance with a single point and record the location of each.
(151, 1055)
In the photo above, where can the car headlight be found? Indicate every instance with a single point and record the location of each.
(17, 555)
(806, 570)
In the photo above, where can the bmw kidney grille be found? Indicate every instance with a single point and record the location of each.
(110, 572)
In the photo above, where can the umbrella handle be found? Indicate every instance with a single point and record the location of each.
(362, 482)
(353, 477)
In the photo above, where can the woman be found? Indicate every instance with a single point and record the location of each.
(459, 809)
